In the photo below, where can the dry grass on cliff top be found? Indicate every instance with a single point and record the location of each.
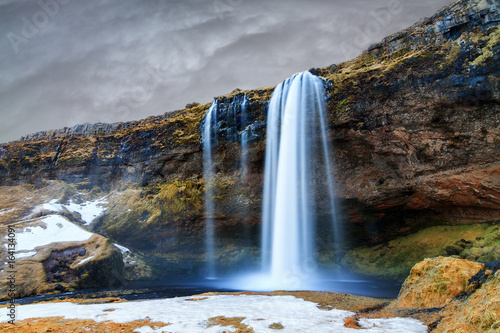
(254, 95)
(187, 121)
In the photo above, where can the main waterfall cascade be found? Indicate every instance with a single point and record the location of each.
(298, 173)
(296, 149)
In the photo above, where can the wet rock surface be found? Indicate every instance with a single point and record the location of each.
(58, 265)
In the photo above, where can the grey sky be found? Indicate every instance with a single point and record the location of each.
(66, 62)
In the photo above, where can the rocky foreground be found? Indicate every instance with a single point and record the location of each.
(440, 295)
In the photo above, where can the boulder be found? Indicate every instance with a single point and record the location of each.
(61, 266)
(452, 295)
(435, 282)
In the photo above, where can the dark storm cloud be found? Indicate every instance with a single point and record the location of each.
(65, 62)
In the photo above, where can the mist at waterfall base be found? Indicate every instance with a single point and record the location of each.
(298, 182)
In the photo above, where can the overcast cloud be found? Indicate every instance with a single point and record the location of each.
(67, 62)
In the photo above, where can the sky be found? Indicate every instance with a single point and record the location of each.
(68, 62)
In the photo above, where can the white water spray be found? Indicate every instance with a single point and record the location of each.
(295, 133)
(297, 173)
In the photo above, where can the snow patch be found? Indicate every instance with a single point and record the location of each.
(56, 229)
(85, 260)
(25, 254)
(5, 211)
(52, 205)
(88, 210)
(296, 315)
(384, 325)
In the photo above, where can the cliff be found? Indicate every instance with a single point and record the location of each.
(414, 124)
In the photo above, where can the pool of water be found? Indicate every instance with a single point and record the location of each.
(169, 289)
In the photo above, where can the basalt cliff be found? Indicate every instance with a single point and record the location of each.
(414, 126)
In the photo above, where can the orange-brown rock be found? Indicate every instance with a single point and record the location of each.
(430, 295)
(65, 266)
(436, 282)
(479, 313)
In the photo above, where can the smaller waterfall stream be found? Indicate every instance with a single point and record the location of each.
(232, 114)
(244, 139)
(209, 139)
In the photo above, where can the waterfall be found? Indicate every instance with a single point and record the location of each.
(209, 139)
(298, 182)
(222, 120)
(244, 139)
(296, 139)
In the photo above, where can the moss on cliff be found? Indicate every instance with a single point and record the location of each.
(136, 214)
(187, 124)
(395, 258)
(484, 248)
(181, 197)
(492, 40)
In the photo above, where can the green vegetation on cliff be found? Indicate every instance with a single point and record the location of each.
(136, 214)
(395, 258)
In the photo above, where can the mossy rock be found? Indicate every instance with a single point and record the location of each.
(104, 271)
(485, 248)
(395, 258)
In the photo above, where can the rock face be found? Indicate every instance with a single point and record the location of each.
(66, 266)
(436, 282)
(458, 295)
(414, 123)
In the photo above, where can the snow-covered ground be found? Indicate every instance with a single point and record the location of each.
(53, 229)
(191, 316)
(88, 210)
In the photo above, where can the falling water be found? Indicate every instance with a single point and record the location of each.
(232, 115)
(209, 140)
(244, 139)
(298, 181)
(295, 134)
